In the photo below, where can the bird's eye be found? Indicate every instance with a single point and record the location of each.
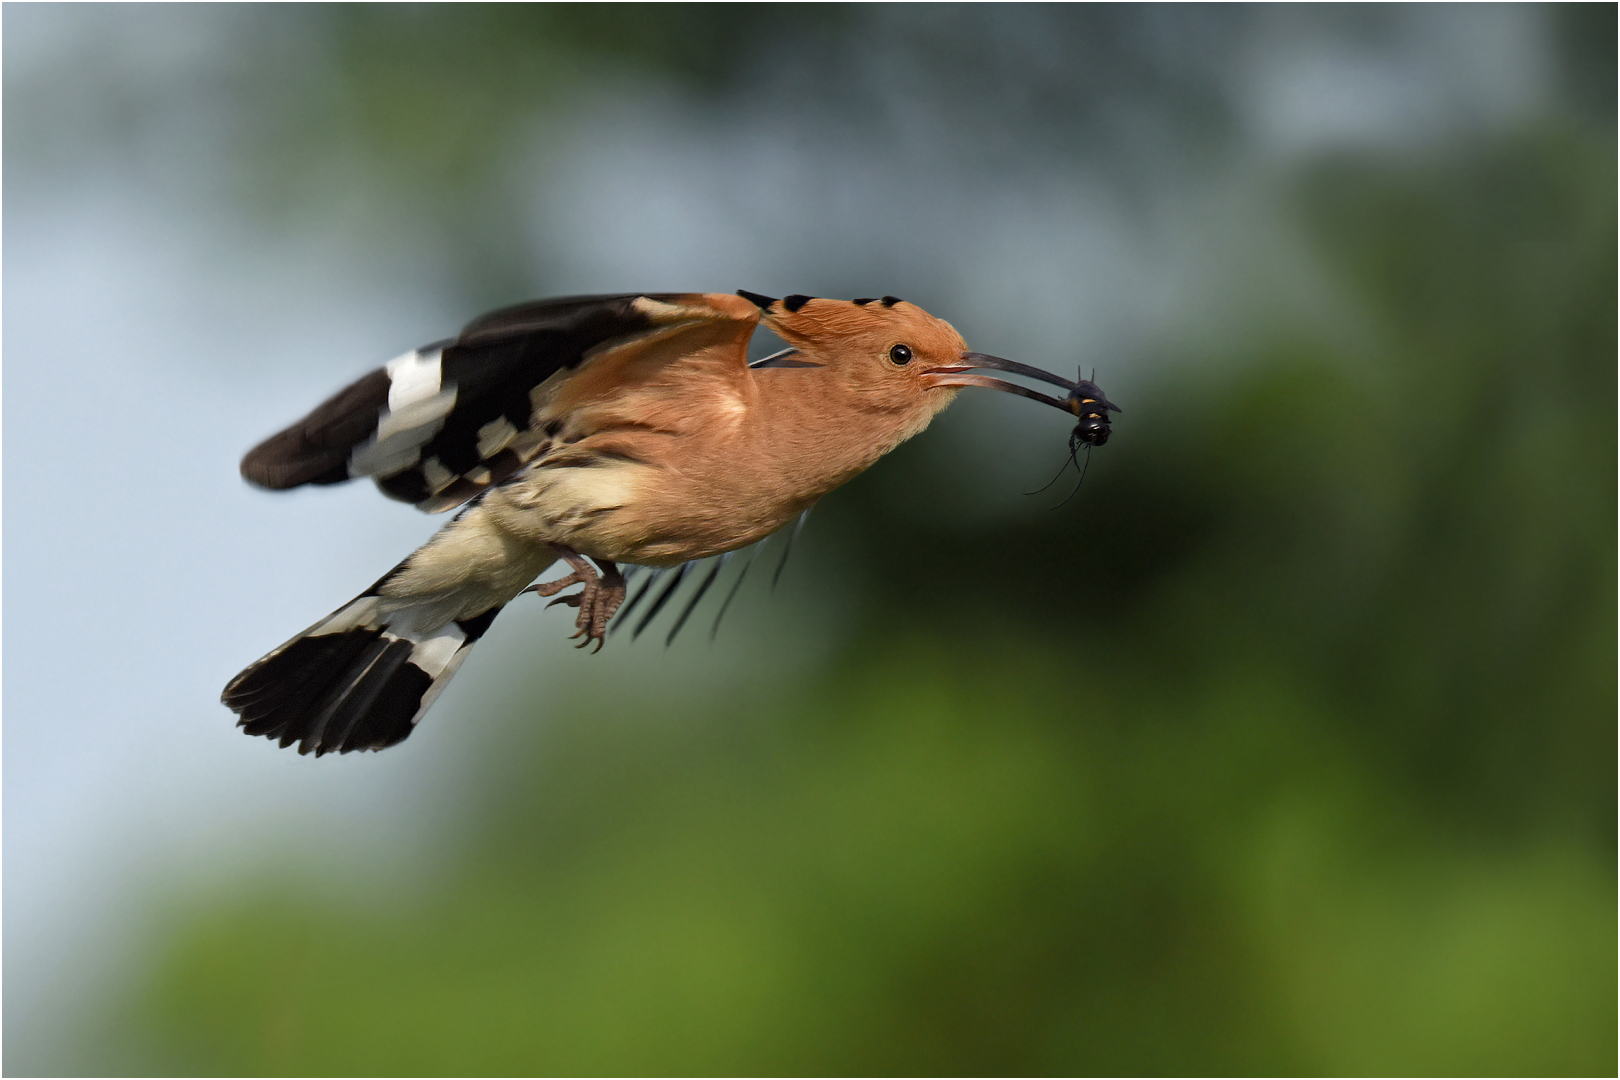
(900, 354)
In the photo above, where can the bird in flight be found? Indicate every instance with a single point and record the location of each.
(599, 431)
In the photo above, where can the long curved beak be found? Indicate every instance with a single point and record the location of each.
(1081, 394)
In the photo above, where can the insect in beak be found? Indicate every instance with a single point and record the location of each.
(1085, 401)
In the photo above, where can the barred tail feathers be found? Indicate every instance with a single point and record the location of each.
(358, 680)
(362, 677)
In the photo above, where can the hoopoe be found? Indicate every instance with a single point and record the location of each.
(615, 429)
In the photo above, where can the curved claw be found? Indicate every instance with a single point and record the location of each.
(597, 601)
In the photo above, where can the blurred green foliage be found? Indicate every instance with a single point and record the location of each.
(1287, 746)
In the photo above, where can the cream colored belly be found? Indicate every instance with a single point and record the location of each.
(630, 512)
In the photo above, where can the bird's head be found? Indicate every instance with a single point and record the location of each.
(878, 351)
(895, 357)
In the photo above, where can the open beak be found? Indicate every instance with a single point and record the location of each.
(1084, 398)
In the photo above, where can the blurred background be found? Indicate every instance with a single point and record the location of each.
(1287, 745)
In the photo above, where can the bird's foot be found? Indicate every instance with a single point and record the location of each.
(596, 602)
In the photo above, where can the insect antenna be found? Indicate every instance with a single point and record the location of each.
(1073, 450)
(1055, 475)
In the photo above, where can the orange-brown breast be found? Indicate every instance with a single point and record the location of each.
(690, 459)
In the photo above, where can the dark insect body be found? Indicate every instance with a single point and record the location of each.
(1091, 407)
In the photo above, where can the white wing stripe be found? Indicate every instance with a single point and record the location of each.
(418, 403)
(412, 377)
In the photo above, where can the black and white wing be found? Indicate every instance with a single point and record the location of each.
(442, 423)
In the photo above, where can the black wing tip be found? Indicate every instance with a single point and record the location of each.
(316, 449)
(283, 462)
